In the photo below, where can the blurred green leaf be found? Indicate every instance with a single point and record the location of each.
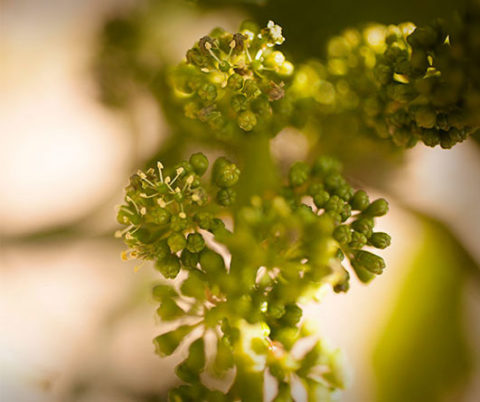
(423, 354)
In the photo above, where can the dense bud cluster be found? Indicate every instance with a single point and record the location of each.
(283, 249)
(404, 83)
(351, 212)
(233, 83)
(166, 208)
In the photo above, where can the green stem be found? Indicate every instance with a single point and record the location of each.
(259, 171)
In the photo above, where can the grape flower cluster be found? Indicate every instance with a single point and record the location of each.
(404, 83)
(282, 249)
(234, 83)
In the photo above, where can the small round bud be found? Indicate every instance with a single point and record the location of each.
(377, 208)
(299, 173)
(195, 242)
(169, 267)
(326, 164)
(177, 223)
(226, 196)
(238, 103)
(210, 261)
(359, 240)
(235, 82)
(425, 117)
(369, 261)
(380, 240)
(204, 220)
(363, 225)
(177, 242)
(321, 198)
(199, 163)
(159, 216)
(342, 234)
(207, 92)
(359, 201)
(247, 120)
(292, 316)
(225, 173)
(334, 204)
(189, 259)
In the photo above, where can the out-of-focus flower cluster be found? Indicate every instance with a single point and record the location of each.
(282, 250)
(403, 83)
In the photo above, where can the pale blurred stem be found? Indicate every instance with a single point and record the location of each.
(134, 128)
(260, 173)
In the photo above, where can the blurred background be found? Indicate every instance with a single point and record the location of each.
(77, 322)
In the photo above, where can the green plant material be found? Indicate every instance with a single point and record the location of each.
(282, 250)
(283, 236)
(422, 354)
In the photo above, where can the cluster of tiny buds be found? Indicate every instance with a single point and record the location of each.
(160, 206)
(233, 76)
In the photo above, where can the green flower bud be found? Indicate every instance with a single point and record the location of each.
(425, 117)
(299, 173)
(127, 217)
(168, 342)
(334, 204)
(235, 82)
(315, 188)
(207, 92)
(162, 250)
(239, 103)
(218, 228)
(362, 274)
(321, 198)
(210, 261)
(226, 197)
(169, 310)
(333, 181)
(344, 191)
(225, 173)
(276, 309)
(251, 89)
(199, 163)
(292, 316)
(177, 242)
(168, 267)
(342, 234)
(359, 201)
(377, 208)
(204, 220)
(159, 216)
(380, 240)
(195, 242)
(247, 120)
(369, 261)
(189, 259)
(177, 223)
(363, 225)
(358, 240)
(325, 165)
